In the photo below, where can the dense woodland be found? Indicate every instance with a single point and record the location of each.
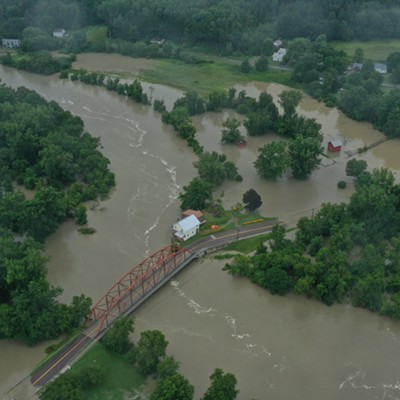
(235, 25)
(346, 252)
(48, 167)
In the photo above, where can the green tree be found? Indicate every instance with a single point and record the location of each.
(173, 387)
(117, 337)
(62, 388)
(355, 167)
(193, 102)
(304, 155)
(389, 114)
(217, 100)
(210, 167)
(289, 100)
(262, 64)
(272, 160)
(278, 239)
(259, 123)
(393, 61)
(231, 132)
(196, 195)
(81, 215)
(278, 281)
(223, 386)
(151, 349)
(374, 203)
(251, 200)
(358, 55)
(245, 66)
(167, 367)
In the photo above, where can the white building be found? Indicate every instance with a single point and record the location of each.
(186, 227)
(278, 56)
(60, 33)
(11, 43)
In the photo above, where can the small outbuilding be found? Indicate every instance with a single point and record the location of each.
(186, 227)
(60, 33)
(335, 145)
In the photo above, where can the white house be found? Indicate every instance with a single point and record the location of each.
(11, 43)
(378, 67)
(381, 68)
(278, 56)
(186, 227)
(60, 33)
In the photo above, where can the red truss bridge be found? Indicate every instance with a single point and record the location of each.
(137, 285)
(123, 297)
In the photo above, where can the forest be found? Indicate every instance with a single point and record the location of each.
(49, 167)
(345, 253)
(227, 26)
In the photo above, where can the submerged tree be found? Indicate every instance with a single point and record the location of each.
(231, 132)
(272, 160)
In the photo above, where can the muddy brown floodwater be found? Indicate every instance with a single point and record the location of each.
(278, 347)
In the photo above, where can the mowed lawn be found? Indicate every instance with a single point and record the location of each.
(375, 50)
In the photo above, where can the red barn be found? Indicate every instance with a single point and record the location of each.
(334, 145)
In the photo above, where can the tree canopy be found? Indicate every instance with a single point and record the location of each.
(239, 25)
(223, 386)
(46, 150)
(251, 200)
(345, 252)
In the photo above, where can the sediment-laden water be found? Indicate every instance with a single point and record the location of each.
(278, 347)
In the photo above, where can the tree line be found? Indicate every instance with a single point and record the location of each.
(236, 26)
(46, 152)
(345, 253)
(150, 358)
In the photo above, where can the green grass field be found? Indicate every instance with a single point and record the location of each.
(376, 50)
(120, 379)
(246, 246)
(205, 78)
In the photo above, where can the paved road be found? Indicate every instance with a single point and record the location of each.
(53, 366)
(223, 238)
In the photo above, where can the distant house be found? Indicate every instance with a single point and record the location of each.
(60, 33)
(278, 56)
(186, 227)
(11, 43)
(379, 67)
(357, 66)
(157, 41)
(278, 43)
(197, 213)
(335, 145)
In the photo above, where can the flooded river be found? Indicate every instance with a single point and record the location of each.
(278, 347)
